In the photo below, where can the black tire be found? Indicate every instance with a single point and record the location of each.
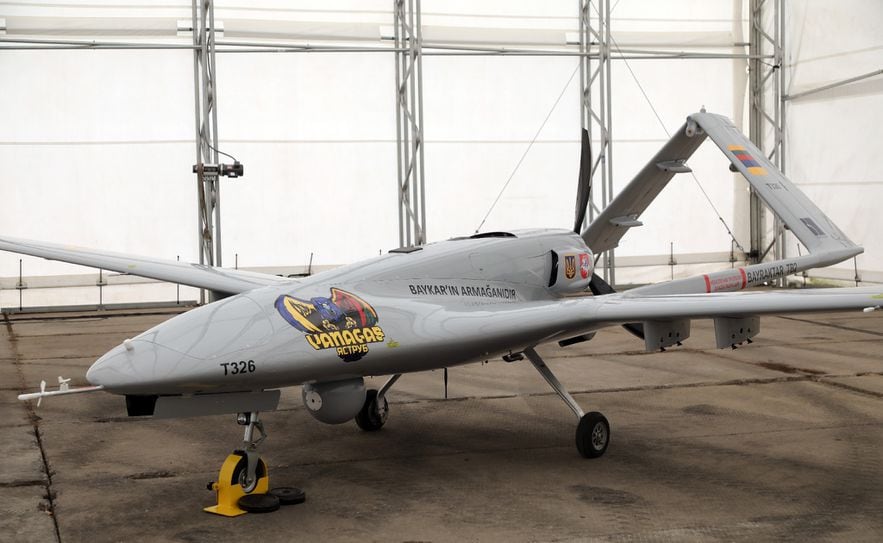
(592, 435)
(371, 417)
(288, 495)
(259, 503)
(240, 469)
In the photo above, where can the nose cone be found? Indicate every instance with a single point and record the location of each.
(103, 370)
(138, 366)
(186, 353)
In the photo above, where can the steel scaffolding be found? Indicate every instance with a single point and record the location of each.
(409, 122)
(204, 95)
(596, 108)
(766, 124)
(597, 52)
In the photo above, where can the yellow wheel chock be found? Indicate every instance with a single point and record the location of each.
(229, 488)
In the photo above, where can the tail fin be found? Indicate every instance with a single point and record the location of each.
(826, 243)
(805, 220)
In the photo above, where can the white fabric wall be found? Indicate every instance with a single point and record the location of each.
(97, 146)
(835, 137)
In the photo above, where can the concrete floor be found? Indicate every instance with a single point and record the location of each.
(782, 439)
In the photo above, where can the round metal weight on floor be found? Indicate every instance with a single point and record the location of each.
(259, 503)
(288, 495)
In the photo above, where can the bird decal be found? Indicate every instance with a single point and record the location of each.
(343, 321)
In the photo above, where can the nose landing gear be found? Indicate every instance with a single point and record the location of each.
(243, 483)
(229, 484)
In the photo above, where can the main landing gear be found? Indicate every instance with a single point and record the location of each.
(243, 484)
(593, 430)
(373, 414)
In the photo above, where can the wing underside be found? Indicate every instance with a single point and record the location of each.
(666, 318)
(625, 308)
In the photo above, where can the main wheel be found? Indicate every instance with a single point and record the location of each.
(373, 414)
(592, 435)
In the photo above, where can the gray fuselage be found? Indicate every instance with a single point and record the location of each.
(448, 303)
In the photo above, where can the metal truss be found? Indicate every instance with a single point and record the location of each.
(409, 122)
(597, 51)
(596, 107)
(766, 81)
(204, 88)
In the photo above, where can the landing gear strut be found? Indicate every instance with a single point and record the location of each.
(248, 479)
(593, 430)
(374, 412)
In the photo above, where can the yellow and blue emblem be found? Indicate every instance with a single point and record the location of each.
(342, 321)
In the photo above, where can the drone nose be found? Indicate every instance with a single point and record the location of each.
(185, 353)
(116, 368)
(135, 365)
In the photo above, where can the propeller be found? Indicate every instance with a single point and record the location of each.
(597, 285)
(584, 188)
(42, 390)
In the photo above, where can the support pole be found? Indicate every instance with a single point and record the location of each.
(206, 117)
(596, 108)
(409, 122)
(766, 81)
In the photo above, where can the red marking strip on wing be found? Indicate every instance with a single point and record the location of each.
(707, 284)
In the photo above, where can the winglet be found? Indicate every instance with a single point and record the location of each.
(806, 221)
(826, 244)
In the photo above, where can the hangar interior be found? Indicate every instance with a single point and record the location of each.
(364, 126)
(367, 125)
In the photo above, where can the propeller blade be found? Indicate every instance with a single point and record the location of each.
(600, 287)
(635, 328)
(584, 188)
(42, 390)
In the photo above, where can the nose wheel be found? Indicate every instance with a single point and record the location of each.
(230, 488)
(243, 484)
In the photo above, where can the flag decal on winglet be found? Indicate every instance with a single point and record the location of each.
(746, 159)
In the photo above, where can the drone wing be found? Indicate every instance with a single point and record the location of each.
(195, 275)
(666, 319)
